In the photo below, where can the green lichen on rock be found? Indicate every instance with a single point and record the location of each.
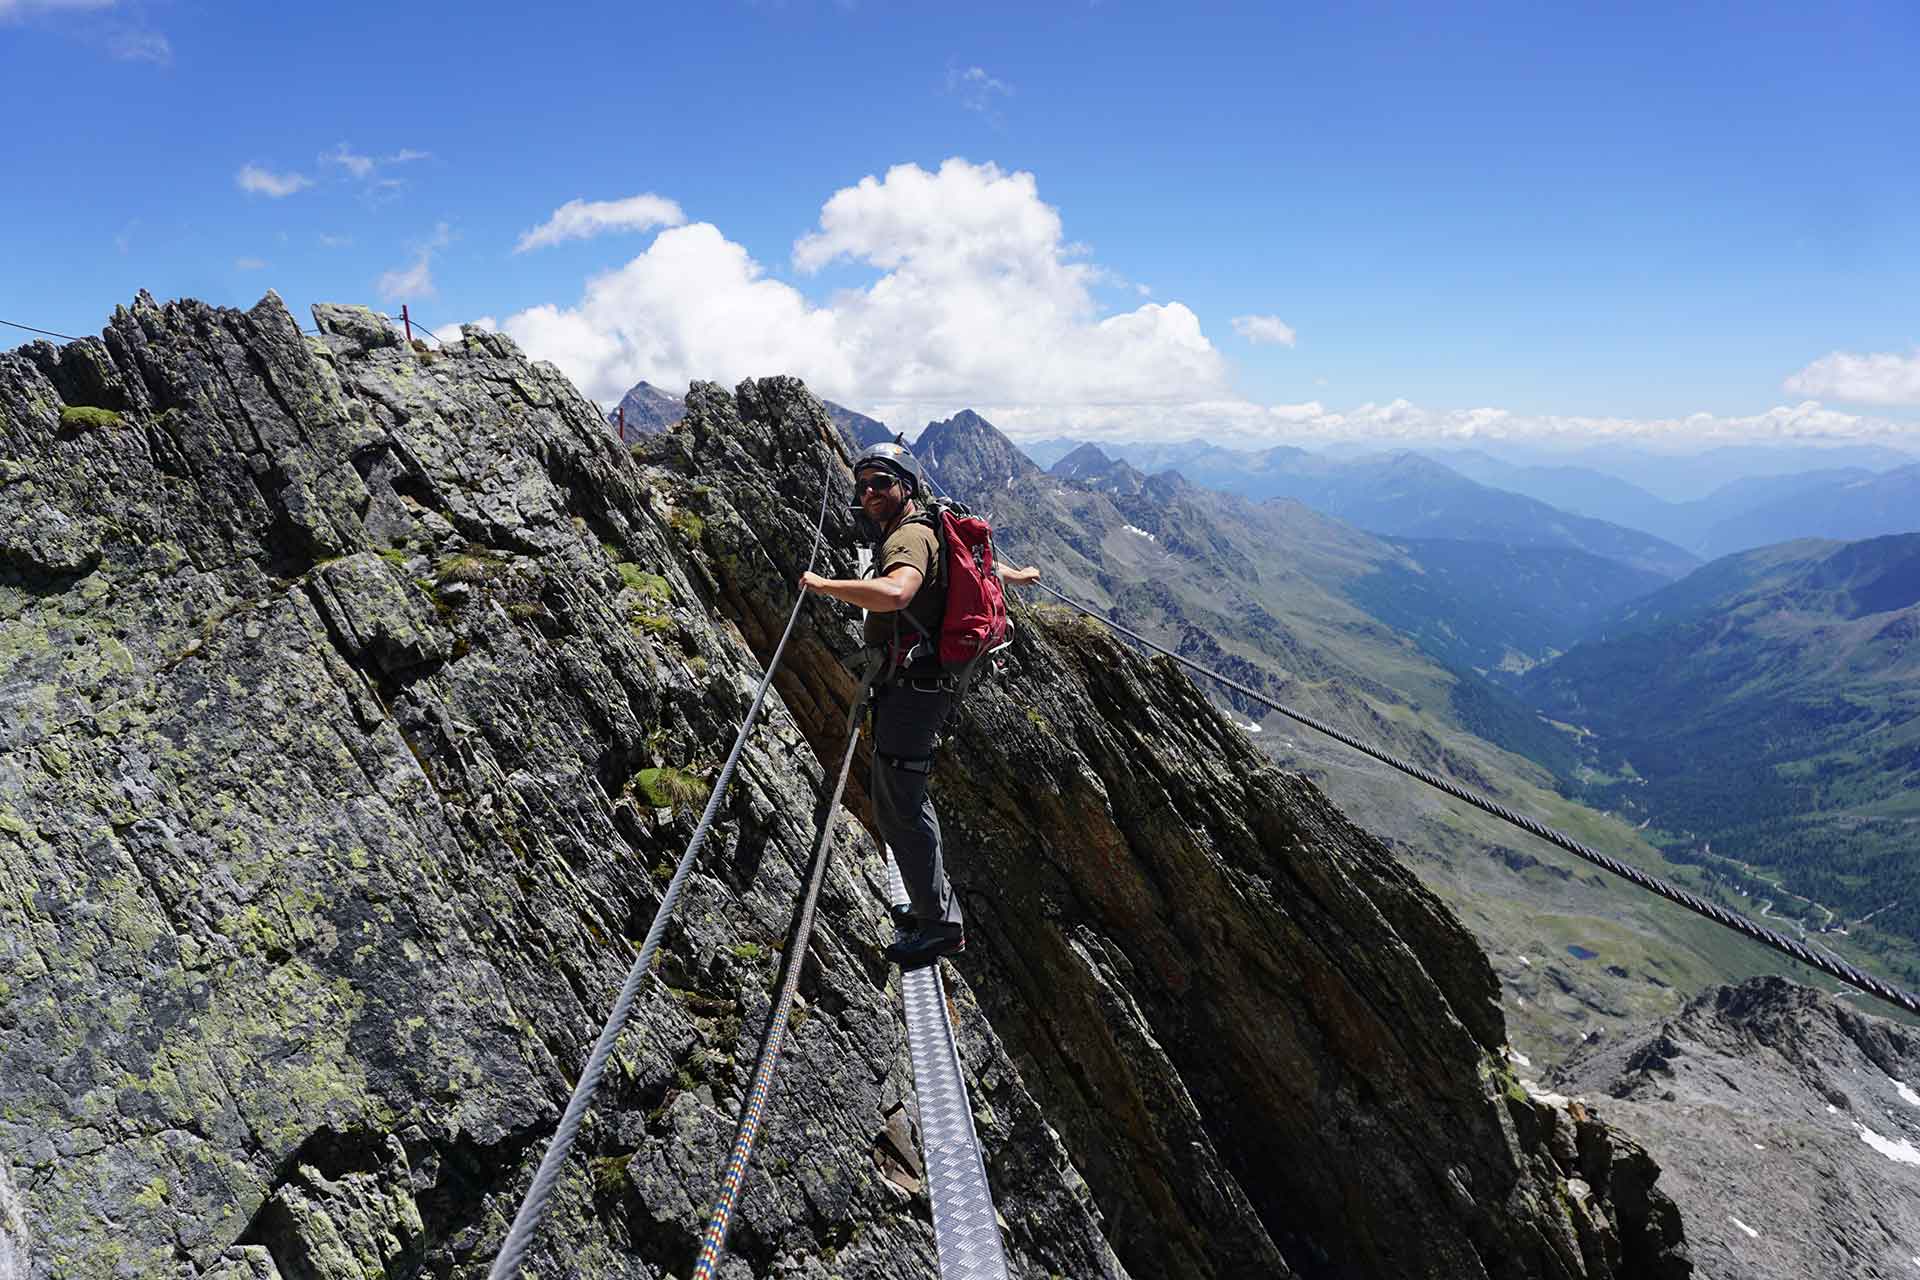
(648, 621)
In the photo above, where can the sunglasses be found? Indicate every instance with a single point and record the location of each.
(861, 487)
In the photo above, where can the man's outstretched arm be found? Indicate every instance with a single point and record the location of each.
(1018, 577)
(888, 594)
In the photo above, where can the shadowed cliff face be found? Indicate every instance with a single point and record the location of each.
(349, 690)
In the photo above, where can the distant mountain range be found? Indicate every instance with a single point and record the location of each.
(1686, 477)
(1832, 502)
(1409, 496)
(1763, 494)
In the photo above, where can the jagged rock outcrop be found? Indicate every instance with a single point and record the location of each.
(1788, 1124)
(333, 671)
(648, 410)
(857, 429)
(354, 696)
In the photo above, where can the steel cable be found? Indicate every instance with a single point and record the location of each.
(733, 1178)
(48, 332)
(1834, 968)
(533, 1208)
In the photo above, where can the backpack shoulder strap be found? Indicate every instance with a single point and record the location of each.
(930, 516)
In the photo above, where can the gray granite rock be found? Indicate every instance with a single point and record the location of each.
(1788, 1124)
(321, 857)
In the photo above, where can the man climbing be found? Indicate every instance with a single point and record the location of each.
(905, 600)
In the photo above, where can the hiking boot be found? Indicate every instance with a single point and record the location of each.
(903, 918)
(925, 945)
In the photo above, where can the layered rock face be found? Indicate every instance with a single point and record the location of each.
(333, 674)
(358, 699)
(1788, 1122)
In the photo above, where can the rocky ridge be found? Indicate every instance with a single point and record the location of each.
(358, 696)
(1787, 1125)
(650, 410)
(357, 701)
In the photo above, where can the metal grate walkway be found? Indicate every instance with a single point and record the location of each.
(965, 1230)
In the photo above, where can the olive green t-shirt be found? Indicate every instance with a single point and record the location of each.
(915, 544)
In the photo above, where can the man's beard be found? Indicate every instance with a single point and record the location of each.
(872, 527)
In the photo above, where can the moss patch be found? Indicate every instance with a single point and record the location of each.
(669, 788)
(467, 566)
(651, 586)
(688, 525)
(645, 621)
(83, 417)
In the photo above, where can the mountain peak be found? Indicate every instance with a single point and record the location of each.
(970, 458)
(646, 410)
(1831, 1081)
(1091, 467)
(1084, 456)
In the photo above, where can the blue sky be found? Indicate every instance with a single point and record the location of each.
(1109, 218)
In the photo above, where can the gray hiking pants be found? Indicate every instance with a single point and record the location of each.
(905, 723)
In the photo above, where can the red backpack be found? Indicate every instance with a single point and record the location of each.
(975, 619)
(973, 610)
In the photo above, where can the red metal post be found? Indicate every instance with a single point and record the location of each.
(622, 411)
(407, 320)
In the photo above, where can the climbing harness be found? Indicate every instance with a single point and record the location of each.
(533, 1208)
(966, 1232)
(714, 1239)
(1834, 968)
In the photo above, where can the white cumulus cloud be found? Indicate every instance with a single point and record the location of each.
(1264, 329)
(694, 305)
(249, 264)
(978, 299)
(584, 219)
(1861, 379)
(263, 182)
